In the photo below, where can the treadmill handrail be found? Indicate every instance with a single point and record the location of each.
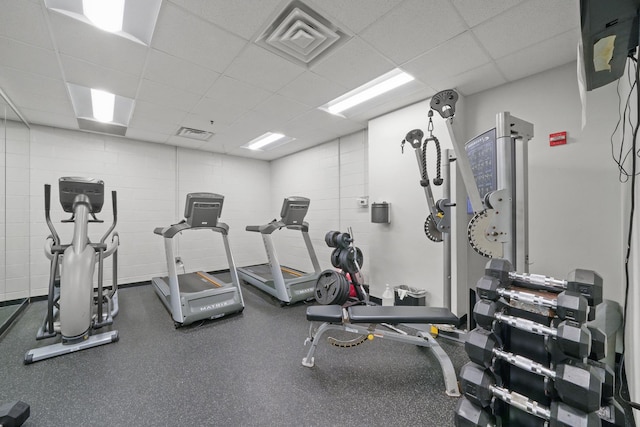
(170, 231)
(277, 225)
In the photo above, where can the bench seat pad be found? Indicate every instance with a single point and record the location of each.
(325, 313)
(401, 314)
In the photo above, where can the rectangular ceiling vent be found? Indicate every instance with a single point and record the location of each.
(200, 135)
(301, 35)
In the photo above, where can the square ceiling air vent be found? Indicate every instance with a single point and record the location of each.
(301, 35)
(200, 135)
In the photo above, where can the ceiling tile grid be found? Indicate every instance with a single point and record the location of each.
(205, 70)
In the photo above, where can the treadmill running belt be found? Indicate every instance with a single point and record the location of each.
(196, 282)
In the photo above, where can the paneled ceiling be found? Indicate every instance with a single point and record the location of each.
(206, 68)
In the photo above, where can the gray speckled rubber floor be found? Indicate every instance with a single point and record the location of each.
(244, 370)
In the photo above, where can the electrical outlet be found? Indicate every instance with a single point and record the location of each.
(363, 201)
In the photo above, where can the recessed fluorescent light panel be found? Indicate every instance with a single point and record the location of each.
(268, 141)
(383, 84)
(100, 111)
(106, 15)
(132, 19)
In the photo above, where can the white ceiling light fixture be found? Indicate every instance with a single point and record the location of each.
(376, 87)
(107, 15)
(133, 20)
(269, 139)
(102, 103)
(99, 110)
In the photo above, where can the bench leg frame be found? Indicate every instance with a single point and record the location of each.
(422, 339)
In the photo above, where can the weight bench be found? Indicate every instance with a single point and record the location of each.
(363, 319)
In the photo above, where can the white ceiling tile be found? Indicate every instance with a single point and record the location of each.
(167, 96)
(312, 90)
(354, 15)
(188, 36)
(81, 40)
(475, 12)
(27, 58)
(219, 112)
(227, 90)
(244, 18)
(176, 72)
(526, 24)
(18, 83)
(95, 76)
(143, 122)
(12, 23)
(555, 51)
(482, 78)
(157, 112)
(453, 57)
(196, 121)
(51, 118)
(414, 27)
(262, 68)
(280, 109)
(353, 64)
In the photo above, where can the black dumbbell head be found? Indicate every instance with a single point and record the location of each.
(476, 383)
(487, 288)
(606, 375)
(588, 283)
(572, 306)
(470, 415)
(483, 313)
(563, 415)
(479, 346)
(499, 268)
(574, 339)
(598, 343)
(578, 386)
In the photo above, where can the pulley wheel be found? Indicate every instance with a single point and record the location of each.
(431, 230)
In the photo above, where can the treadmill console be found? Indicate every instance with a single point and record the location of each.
(71, 186)
(203, 209)
(294, 209)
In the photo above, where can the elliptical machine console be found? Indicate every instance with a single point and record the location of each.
(74, 309)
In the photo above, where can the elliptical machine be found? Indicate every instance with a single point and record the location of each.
(74, 309)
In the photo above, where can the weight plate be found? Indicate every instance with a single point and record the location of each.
(344, 288)
(352, 256)
(328, 287)
(343, 260)
(481, 237)
(343, 240)
(335, 257)
(431, 230)
(330, 237)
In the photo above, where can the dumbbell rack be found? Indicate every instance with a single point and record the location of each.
(530, 389)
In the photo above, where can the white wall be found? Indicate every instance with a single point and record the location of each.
(401, 254)
(333, 176)
(14, 209)
(151, 181)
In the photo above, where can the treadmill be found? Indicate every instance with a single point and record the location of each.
(286, 284)
(199, 295)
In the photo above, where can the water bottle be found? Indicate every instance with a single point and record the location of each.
(387, 296)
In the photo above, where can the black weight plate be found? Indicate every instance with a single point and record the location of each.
(328, 287)
(335, 254)
(344, 288)
(343, 260)
(330, 238)
(355, 255)
(343, 240)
